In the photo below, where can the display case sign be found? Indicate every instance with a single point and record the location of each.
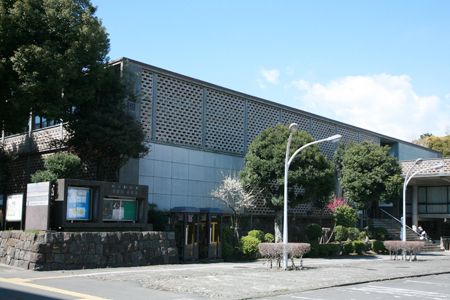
(78, 203)
(119, 209)
(14, 206)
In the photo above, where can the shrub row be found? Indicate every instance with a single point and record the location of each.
(410, 248)
(274, 252)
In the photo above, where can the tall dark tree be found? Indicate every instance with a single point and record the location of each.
(311, 175)
(368, 174)
(47, 47)
(101, 132)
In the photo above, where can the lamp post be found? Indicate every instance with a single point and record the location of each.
(288, 160)
(405, 185)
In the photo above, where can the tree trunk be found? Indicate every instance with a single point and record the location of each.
(278, 226)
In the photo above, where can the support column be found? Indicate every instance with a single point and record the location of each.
(415, 206)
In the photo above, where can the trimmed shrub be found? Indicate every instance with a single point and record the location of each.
(326, 250)
(378, 247)
(345, 216)
(249, 246)
(313, 232)
(274, 251)
(352, 233)
(358, 246)
(341, 233)
(259, 234)
(347, 247)
(269, 238)
(58, 165)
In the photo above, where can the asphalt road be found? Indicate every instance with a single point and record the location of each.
(240, 281)
(436, 287)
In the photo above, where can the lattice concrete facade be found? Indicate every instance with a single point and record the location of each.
(184, 118)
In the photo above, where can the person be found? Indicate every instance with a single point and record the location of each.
(423, 235)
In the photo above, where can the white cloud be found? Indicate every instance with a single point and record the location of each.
(382, 103)
(271, 76)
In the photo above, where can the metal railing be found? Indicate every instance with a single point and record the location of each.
(399, 221)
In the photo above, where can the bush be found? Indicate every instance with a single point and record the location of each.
(341, 233)
(249, 246)
(326, 250)
(274, 251)
(347, 247)
(378, 247)
(313, 232)
(352, 233)
(259, 234)
(378, 233)
(358, 246)
(157, 218)
(58, 165)
(345, 216)
(362, 236)
(269, 238)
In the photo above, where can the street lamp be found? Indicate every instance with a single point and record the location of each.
(405, 185)
(287, 162)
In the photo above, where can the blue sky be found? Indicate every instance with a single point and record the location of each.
(380, 65)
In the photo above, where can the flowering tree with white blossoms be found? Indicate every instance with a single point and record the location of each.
(235, 197)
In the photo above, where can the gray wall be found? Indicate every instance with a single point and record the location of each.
(185, 177)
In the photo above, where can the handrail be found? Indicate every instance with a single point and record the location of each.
(399, 221)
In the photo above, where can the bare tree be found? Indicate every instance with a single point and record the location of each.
(235, 197)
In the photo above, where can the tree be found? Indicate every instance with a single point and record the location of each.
(53, 63)
(58, 165)
(47, 48)
(436, 143)
(101, 132)
(369, 174)
(235, 197)
(310, 176)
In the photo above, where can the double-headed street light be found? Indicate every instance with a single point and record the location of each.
(405, 185)
(288, 160)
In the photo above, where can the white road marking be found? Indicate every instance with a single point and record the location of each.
(398, 292)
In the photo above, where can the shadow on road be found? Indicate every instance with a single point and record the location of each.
(11, 294)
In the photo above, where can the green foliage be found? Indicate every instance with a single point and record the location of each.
(437, 143)
(362, 235)
(264, 168)
(58, 165)
(378, 247)
(347, 247)
(157, 218)
(229, 243)
(46, 49)
(101, 132)
(378, 233)
(249, 246)
(5, 159)
(345, 216)
(259, 234)
(43, 175)
(313, 232)
(358, 247)
(327, 250)
(352, 233)
(365, 171)
(340, 233)
(269, 238)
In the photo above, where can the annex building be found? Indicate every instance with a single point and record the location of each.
(198, 132)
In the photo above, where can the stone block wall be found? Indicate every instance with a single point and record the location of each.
(77, 250)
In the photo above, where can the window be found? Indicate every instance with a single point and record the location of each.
(115, 209)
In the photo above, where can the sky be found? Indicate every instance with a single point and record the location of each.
(380, 65)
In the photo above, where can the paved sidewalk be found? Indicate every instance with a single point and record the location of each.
(254, 279)
(251, 280)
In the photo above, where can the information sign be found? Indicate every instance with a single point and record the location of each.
(14, 205)
(78, 203)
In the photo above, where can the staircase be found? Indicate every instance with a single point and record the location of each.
(393, 228)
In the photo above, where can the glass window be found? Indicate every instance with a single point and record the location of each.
(437, 194)
(115, 209)
(78, 204)
(422, 195)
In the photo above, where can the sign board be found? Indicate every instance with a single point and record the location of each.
(119, 209)
(78, 203)
(38, 193)
(14, 205)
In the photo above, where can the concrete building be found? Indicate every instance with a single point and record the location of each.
(198, 132)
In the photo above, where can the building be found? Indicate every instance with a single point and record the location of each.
(198, 132)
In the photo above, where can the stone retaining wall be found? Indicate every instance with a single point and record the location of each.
(78, 250)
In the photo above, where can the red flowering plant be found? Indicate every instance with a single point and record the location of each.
(335, 203)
